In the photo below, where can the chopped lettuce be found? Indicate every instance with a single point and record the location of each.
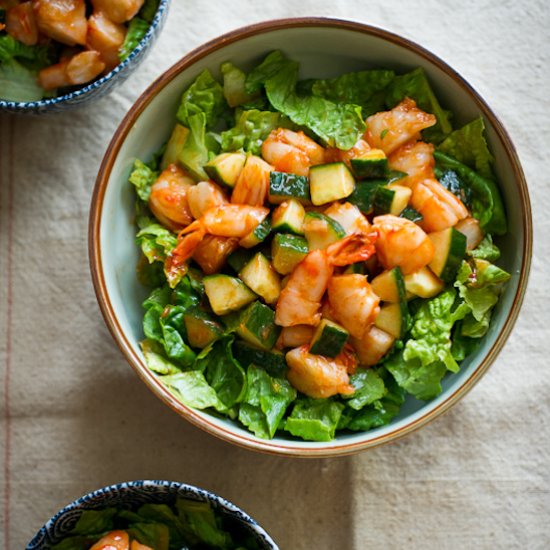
(223, 372)
(415, 85)
(234, 86)
(155, 360)
(194, 154)
(153, 535)
(314, 419)
(204, 95)
(192, 389)
(363, 88)
(137, 29)
(17, 83)
(156, 242)
(369, 387)
(149, 9)
(142, 178)
(338, 125)
(251, 129)
(486, 250)
(265, 402)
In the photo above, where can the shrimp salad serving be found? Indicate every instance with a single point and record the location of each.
(316, 250)
(51, 46)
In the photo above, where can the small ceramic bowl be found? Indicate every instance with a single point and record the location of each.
(325, 48)
(131, 495)
(101, 86)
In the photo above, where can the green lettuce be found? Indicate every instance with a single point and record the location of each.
(486, 250)
(192, 389)
(265, 402)
(153, 535)
(155, 360)
(137, 29)
(369, 387)
(314, 419)
(363, 88)
(234, 86)
(156, 242)
(77, 542)
(415, 85)
(149, 9)
(194, 154)
(339, 125)
(142, 178)
(204, 96)
(223, 372)
(173, 336)
(479, 284)
(95, 521)
(251, 129)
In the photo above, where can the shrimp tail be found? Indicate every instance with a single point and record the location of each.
(193, 227)
(357, 247)
(175, 265)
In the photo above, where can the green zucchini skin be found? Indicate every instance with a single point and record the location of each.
(449, 257)
(283, 186)
(321, 230)
(329, 339)
(330, 182)
(287, 251)
(257, 326)
(410, 213)
(383, 199)
(257, 236)
(363, 195)
(272, 361)
(365, 168)
(238, 259)
(289, 217)
(201, 328)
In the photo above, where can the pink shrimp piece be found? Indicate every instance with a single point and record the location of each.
(105, 37)
(203, 196)
(21, 23)
(416, 160)
(388, 130)
(62, 20)
(118, 11)
(333, 154)
(115, 540)
(253, 182)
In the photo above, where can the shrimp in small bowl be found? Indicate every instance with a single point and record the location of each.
(313, 294)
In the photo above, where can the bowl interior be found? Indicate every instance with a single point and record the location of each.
(131, 495)
(324, 51)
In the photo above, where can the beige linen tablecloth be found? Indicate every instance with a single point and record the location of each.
(75, 416)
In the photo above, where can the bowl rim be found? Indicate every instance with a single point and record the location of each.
(200, 419)
(144, 484)
(22, 106)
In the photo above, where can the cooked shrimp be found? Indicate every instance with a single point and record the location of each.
(168, 200)
(372, 346)
(293, 337)
(439, 207)
(21, 23)
(138, 546)
(416, 159)
(349, 217)
(118, 11)
(62, 20)
(333, 154)
(388, 130)
(292, 152)
(54, 76)
(317, 376)
(224, 220)
(300, 301)
(203, 196)
(212, 252)
(253, 182)
(84, 67)
(105, 37)
(353, 303)
(115, 540)
(402, 243)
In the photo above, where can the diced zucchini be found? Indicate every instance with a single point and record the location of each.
(272, 361)
(372, 347)
(201, 328)
(260, 276)
(287, 251)
(423, 283)
(283, 186)
(240, 258)
(174, 146)
(226, 168)
(321, 231)
(372, 164)
(330, 182)
(411, 214)
(258, 235)
(450, 248)
(288, 217)
(359, 268)
(226, 293)
(391, 199)
(363, 195)
(389, 286)
(393, 319)
(329, 339)
(257, 326)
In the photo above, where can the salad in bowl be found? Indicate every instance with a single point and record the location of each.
(317, 251)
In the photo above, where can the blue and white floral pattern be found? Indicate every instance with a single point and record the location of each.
(101, 86)
(131, 495)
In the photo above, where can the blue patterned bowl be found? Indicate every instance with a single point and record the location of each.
(132, 494)
(101, 86)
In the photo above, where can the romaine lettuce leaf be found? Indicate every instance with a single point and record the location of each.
(17, 83)
(155, 514)
(142, 178)
(338, 125)
(155, 360)
(234, 86)
(194, 154)
(314, 419)
(156, 242)
(149, 9)
(30, 57)
(224, 374)
(154, 535)
(95, 521)
(415, 85)
(486, 250)
(363, 88)
(265, 402)
(251, 129)
(137, 29)
(204, 96)
(192, 389)
(78, 542)
(369, 387)
(487, 204)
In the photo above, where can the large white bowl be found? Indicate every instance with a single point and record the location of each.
(324, 48)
